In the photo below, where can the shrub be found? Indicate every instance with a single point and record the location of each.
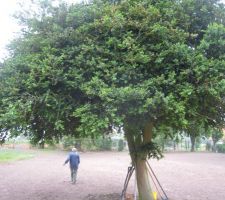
(104, 144)
(220, 148)
(68, 142)
(87, 144)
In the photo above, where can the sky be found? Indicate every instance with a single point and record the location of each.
(8, 25)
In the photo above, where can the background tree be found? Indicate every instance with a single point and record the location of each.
(138, 64)
(195, 130)
(217, 134)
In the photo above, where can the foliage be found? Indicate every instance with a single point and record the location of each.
(217, 134)
(2, 138)
(104, 143)
(87, 144)
(195, 129)
(68, 142)
(151, 149)
(77, 69)
(220, 148)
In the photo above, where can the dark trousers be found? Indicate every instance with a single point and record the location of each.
(73, 174)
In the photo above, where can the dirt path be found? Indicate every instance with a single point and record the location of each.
(185, 176)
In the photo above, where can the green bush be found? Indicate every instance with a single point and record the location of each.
(220, 148)
(121, 145)
(104, 144)
(68, 142)
(87, 144)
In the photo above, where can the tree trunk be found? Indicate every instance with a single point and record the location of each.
(192, 143)
(174, 145)
(139, 160)
(214, 146)
(42, 145)
(143, 182)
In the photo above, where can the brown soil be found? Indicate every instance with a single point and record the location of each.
(184, 176)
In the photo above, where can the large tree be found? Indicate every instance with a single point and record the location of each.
(140, 64)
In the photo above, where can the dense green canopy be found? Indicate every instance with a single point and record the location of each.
(76, 69)
(103, 63)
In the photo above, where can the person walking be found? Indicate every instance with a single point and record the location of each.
(74, 160)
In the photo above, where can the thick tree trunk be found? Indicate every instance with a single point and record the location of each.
(143, 182)
(139, 160)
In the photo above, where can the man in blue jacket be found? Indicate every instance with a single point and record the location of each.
(74, 160)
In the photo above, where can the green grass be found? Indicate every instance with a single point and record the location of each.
(7, 155)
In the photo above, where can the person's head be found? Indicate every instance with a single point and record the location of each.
(74, 149)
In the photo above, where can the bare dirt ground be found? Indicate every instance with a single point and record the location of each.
(184, 176)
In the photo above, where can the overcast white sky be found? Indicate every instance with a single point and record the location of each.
(8, 25)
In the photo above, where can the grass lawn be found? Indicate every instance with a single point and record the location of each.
(11, 155)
